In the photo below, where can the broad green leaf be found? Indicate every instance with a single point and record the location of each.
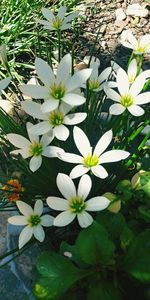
(126, 237)
(103, 291)
(57, 275)
(94, 245)
(124, 188)
(137, 259)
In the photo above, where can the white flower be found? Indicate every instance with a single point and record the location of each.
(33, 221)
(6, 105)
(33, 147)
(55, 120)
(59, 22)
(4, 83)
(139, 46)
(92, 160)
(57, 88)
(97, 82)
(129, 97)
(74, 203)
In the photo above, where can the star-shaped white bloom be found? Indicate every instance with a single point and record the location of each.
(139, 46)
(129, 97)
(34, 147)
(4, 83)
(61, 87)
(54, 121)
(73, 204)
(58, 22)
(92, 160)
(33, 220)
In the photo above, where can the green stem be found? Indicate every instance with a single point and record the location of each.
(59, 44)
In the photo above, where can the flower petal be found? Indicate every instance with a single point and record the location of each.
(61, 132)
(57, 203)
(35, 91)
(84, 186)
(71, 158)
(46, 139)
(18, 141)
(103, 143)
(33, 137)
(97, 203)
(38, 207)
(48, 14)
(142, 98)
(64, 69)
(81, 141)
(137, 85)
(132, 69)
(105, 74)
(99, 171)
(66, 186)
(64, 218)
(35, 163)
(24, 208)
(122, 82)
(133, 41)
(76, 118)
(84, 219)
(18, 220)
(52, 151)
(39, 233)
(136, 110)
(78, 79)
(44, 72)
(61, 12)
(4, 83)
(49, 105)
(40, 128)
(24, 152)
(25, 236)
(47, 220)
(111, 94)
(78, 171)
(116, 109)
(33, 109)
(74, 99)
(113, 156)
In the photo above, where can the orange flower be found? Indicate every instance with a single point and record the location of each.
(15, 186)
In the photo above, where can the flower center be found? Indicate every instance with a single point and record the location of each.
(91, 161)
(57, 91)
(36, 149)
(94, 84)
(141, 49)
(77, 205)
(34, 220)
(57, 23)
(56, 118)
(126, 100)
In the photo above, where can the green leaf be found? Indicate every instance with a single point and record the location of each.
(137, 259)
(94, 245)
(124, 188)
(103, 291)
(57, 275)
(126, 237)
(72, 251)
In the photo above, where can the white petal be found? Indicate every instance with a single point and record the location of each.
(18, 220)
(33, 109)
(47, 139)
(35, 91)
(99, 171)
(39, 233)
(113, 155)
(103, 143)
(116, 109)
(94, 74)
(38, 207)
(122, 82)
(84, 186)
(78, 171)
(73, 119)
(49, 105)
(66, 186)
(6, 105)
(133, 41)
(97, 203)
(64, 218)
(137, 85)
(78, 79)
(74, 99)
(4, 83)
(47, 220)
(61, 12)
(24, 152)
(71, 158)
(57, 203)
(65, 26)
(136, 110)
(142, 98)
(132, 69)
(145, 41)
(25, 236)
(24, 208)
(40, 128)
(64, 69)
(48, 14)
(33, 137)
(35, 163)
(84, 219)
(46, 23)
(18, 141)
(52, 151)
(105, 74)
(44, 72)
(61, 132)
(64, 108)
(111, 94)
(81, 141)
(70, 17)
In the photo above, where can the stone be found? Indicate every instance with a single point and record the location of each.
(137, 10)
(120, 15)
(103, 28)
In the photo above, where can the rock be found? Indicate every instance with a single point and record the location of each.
(120, 15)
(103, 28)
(120, 24)
(137, 10)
